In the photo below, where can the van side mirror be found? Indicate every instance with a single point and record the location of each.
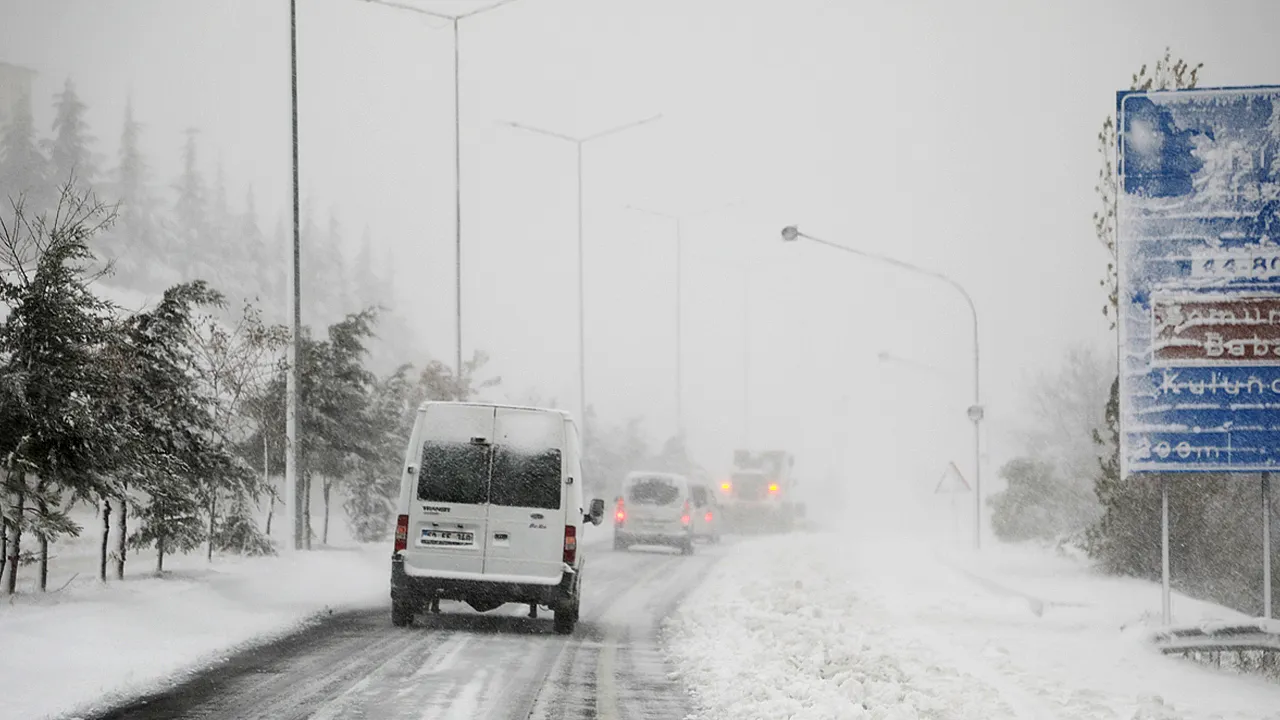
(596, 516)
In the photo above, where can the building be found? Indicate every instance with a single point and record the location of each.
(15, 86)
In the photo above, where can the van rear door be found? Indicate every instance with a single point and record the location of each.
(527, 497)
(448, 520)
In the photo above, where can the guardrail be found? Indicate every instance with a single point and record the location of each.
(1251, 647)
(1261, 635)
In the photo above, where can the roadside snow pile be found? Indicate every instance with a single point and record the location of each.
(92, 643)
(776, 632)
(822, 626)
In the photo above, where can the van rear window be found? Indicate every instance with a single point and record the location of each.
(454, 473)
(652, 491)
(525, 479)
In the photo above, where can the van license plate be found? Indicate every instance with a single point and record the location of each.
(448, 537)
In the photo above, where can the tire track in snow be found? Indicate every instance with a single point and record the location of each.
(616, 668)
(461, 664)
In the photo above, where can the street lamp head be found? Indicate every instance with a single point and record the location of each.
(790, 233)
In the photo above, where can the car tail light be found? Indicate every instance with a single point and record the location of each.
(773, 488)
(684, 517)
(402, 532)
(708, 517)
(570, 544)
(620, 515)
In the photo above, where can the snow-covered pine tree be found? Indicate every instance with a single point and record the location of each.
(191, 214)
(183, 452)
(135, 243)
(238, 531)
(222, 260)
(367, 290)
(341, 405)
(372, 486)
(24, 170)
(333, 424)
(70, 157)
(261, 268)
(232, 363)
(52, 382)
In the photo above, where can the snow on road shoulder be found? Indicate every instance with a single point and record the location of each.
(821, 626)
(776, 632)
(91, 643)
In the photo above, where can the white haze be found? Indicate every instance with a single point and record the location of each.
(959, 136)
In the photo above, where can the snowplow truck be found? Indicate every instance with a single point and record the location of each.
(759, 495)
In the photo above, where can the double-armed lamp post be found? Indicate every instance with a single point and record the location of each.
(578, 142)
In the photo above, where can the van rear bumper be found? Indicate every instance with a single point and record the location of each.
(674, 539)
(419, 588)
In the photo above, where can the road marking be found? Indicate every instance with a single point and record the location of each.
(444, 656)
(466, 703)
(341, 705)
(606, 690)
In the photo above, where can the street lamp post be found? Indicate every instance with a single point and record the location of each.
(975, 413)
(457, 148)
(679, 222)
(582, 347)
(746, 356)
(293, 523)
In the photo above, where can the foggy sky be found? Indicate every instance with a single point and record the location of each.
(959, 136)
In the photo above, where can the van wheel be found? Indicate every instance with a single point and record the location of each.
(619, 544)
(401, 613)
(687, 547)
(566, 618)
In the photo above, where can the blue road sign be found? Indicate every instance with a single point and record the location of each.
(1199, 264)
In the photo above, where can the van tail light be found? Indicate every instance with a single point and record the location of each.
(773, 488)
(708, 516)
(726, 486)
(620, 515)
(684, 517)
(570, 544)
(402, 533)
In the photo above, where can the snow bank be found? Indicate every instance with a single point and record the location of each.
(90, 642)
(827, 626)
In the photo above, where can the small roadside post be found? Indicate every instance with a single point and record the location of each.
(1198, 213)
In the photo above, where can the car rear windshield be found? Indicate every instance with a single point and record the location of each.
(653, 491)
(454, 473)
(699, 494)
(525, 479)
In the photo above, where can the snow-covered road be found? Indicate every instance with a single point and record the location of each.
(462, 664)
(827, 626)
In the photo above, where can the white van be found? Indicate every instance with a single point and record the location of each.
(490, 512)
(654, 509)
